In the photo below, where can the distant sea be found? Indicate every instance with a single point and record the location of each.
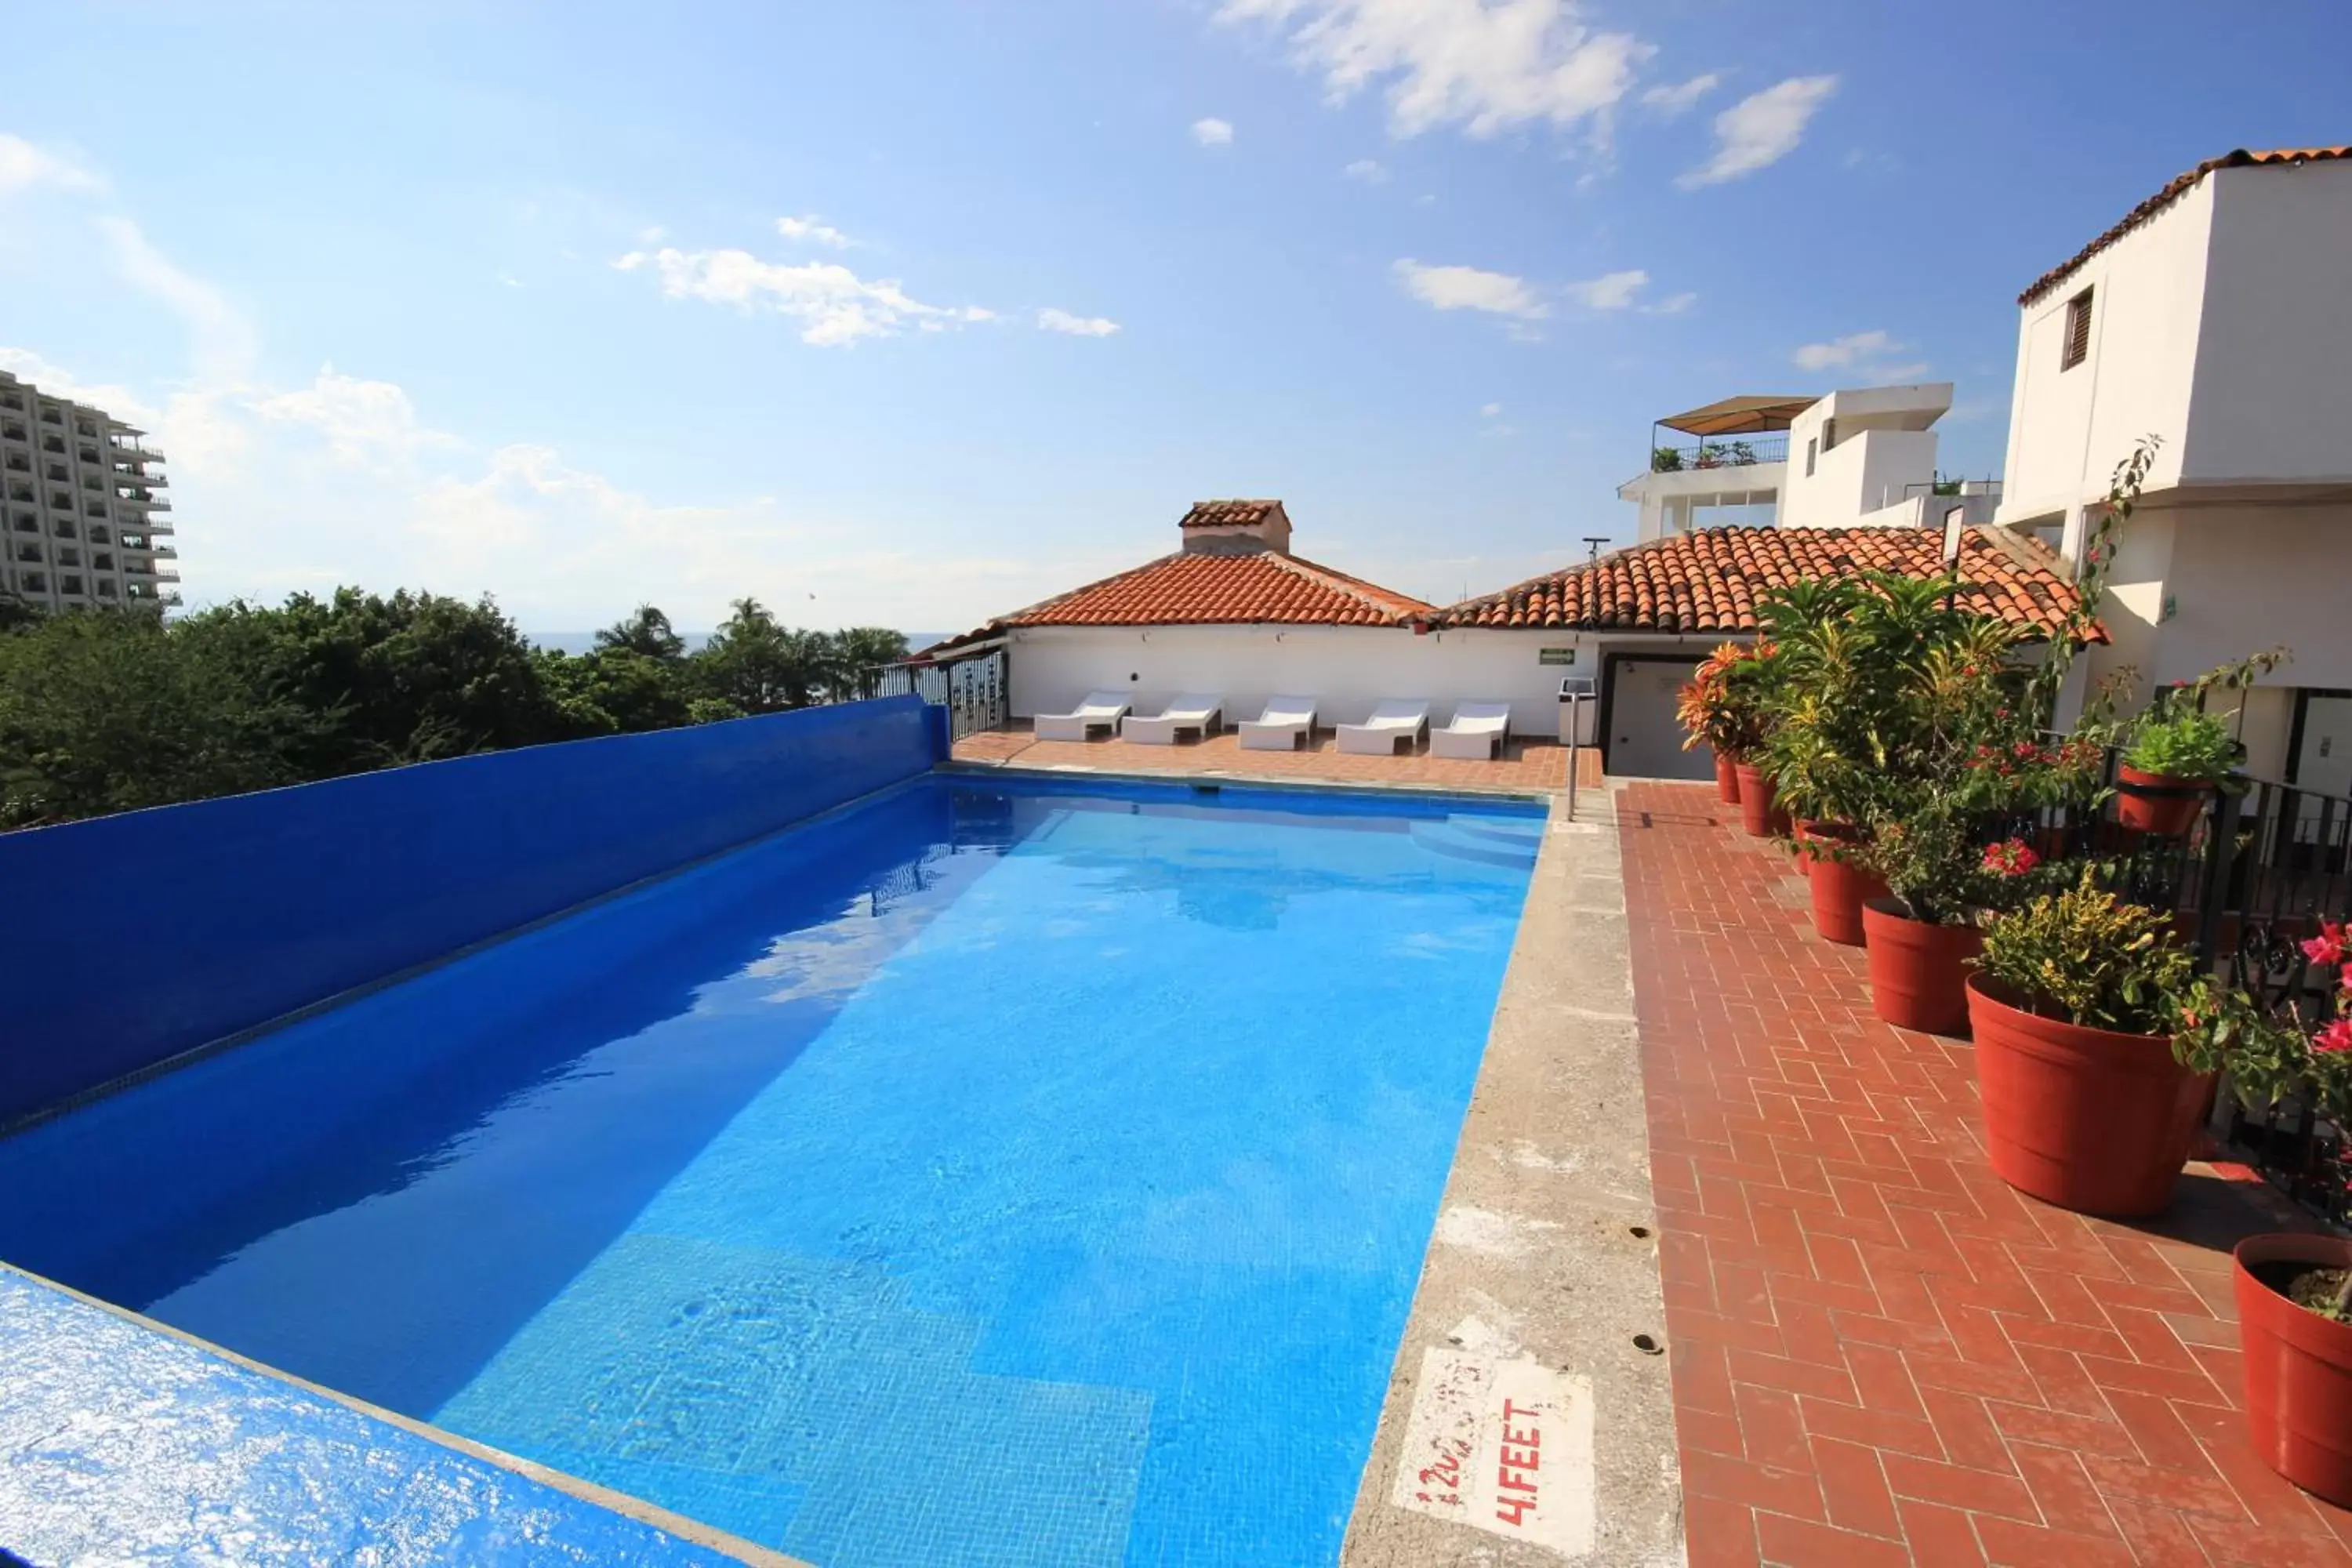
(581, 642)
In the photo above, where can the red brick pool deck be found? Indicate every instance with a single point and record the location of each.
(1880, 1352)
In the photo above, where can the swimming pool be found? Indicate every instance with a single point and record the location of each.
(1023, 1173)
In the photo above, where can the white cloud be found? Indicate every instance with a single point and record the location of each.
(222, 341)
(24, 166)
(1681, 97)
(1488, 410)
(1213, 132)
(1483, 65)
(1761, 130)
(1609, 291)
(1673, 304)
(1868, 355)
(810, 228)
(1839, 353)
(1469, 288)
(1369, 170)
(1056, 321)
(835, 306)
(370, 423)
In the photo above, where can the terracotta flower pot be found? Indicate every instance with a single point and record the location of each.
(2169, 815)
(1918, 972)
(1839, 887)
(2298, 1368)
(2090, 1120)
(1758, 812)
(1726, 778)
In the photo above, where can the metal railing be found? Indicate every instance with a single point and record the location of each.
(1730, 452)
(974, 687)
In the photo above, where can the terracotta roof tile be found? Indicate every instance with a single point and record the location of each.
(1709, 582)
(2173, 191)
(1188, 589)
(1228, 513)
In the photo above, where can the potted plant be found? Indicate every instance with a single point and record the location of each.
(2294, 1292)
(2091, 1076)
(2174, 762)
(1925, 930)
(1712, 716)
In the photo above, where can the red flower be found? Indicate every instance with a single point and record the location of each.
(2327, 947)
(2347, 977)
(2010, 857)
(2337, 1037)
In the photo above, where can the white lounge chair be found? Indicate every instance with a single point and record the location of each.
(1478, 727)
(1286, 722)
(1390, 723)
(1100, 711)
(1191, 711)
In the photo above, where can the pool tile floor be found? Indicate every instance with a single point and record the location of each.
(1881, 1352)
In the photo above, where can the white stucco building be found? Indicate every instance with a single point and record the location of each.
(2212, 316)
(83, 519)
(1233, 613)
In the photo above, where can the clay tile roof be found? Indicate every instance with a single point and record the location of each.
(1227, 513)
(1709, 582)
(2173, 191)
(1185, 589)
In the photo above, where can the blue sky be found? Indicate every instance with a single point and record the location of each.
(908, 313)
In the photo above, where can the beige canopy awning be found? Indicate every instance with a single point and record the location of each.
(1740, 416)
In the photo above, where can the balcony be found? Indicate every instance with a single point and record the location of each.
(1732, 452)
(132, 452)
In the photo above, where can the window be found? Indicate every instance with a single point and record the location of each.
(105, 589)
(69, 584)
(103, 560)
(65, 528)
(28, 523)
(69, 556)
(53, 443)
(98, 536)
(1829, 433)
(61, 501)
(28, 550)
(1811, 449)
(2077, 347)
(35, 582)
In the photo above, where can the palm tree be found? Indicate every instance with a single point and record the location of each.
(647, 631)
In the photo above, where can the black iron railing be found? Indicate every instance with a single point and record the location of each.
(1730, 452)
(973, 688)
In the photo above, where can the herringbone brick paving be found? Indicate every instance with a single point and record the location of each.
(1881, 1354)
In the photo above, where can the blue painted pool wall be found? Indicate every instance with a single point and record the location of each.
(157, 931)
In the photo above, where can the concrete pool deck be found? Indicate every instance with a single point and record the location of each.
(1540, 1288)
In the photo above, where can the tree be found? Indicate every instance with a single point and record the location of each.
(112, 710)
(760, 665)
(615, 690)
(645, 631)
(408, 679)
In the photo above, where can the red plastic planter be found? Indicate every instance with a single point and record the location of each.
(1839, 887)
(2089, 1119)
(1919, 972)
(2298, 1369)
(2169, 815)
(1727, 779)
(1758, 812)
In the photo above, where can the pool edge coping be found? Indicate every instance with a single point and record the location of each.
(626, 1505)
(1466, 794)
(1553, 1155)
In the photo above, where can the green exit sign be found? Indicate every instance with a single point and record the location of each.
(1555, 656)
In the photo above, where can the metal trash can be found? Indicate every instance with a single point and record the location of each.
(1580, 711)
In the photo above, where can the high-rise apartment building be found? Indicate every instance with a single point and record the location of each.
(82, 513)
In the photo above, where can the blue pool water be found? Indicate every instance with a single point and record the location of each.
(990, 1174)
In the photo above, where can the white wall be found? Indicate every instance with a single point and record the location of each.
(2068, 428)
(2246, 578)
(1864, 471)
(2275, 353)
(1347, 668)
(1665, 499)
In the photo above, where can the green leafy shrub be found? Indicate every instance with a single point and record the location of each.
(2099, 961)
(2185, 744)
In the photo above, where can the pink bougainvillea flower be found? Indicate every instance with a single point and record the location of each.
(2327, 947)
(2010, 857)
(2337, 1037)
